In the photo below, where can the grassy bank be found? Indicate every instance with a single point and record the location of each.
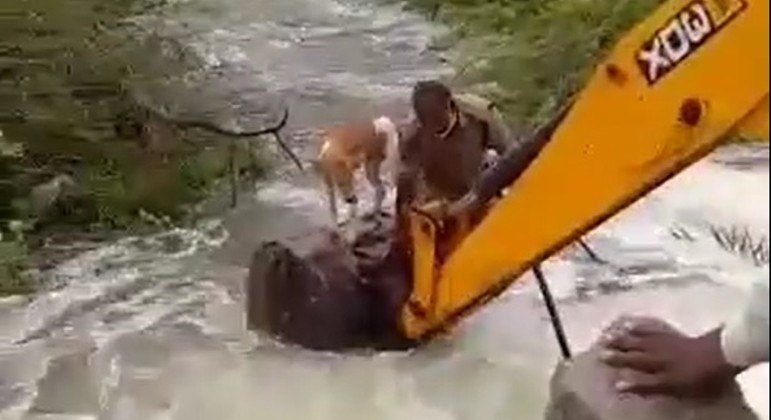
(530, 55)
(65, 164)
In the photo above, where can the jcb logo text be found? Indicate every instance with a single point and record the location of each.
(680, 37)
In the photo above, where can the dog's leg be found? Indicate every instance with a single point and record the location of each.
(353, 207)
(372, 171)
(332, 202)
(344, 175)
(329, 184)
(327, 170)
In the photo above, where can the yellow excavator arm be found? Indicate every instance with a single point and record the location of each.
(687, 78)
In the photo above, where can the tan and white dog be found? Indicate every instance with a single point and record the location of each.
(345, 148)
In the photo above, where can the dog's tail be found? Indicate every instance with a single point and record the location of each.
(385, 126)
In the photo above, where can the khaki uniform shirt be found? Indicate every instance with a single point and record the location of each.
(432, 167)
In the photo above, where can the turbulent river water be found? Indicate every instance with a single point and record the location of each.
(152, 327)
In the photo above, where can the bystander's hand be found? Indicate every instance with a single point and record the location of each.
(656, 358)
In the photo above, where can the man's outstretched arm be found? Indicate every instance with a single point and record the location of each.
(505, 172)
(744, 339)
(500, 138)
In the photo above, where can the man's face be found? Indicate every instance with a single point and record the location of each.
(435, 115)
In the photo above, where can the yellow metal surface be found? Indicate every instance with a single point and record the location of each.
(753, 128)
(423, 231)
(627, 132)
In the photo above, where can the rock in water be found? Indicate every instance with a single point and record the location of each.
(325, 291)
(582, 390)
(62, 199)
(44, 196)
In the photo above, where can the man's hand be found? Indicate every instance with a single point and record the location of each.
(441, 209)
(658, 359)
(436, 209)
(465, 205)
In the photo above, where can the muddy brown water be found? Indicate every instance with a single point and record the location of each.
(152, 327)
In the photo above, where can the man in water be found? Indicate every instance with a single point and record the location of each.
(658, 359)
(445, 149)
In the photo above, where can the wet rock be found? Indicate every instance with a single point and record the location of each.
(45, 196)
(330, 290)
(582, 390)
(61, 199)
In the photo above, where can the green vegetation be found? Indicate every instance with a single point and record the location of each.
(531, 55)
(64, 68)
(13, 264)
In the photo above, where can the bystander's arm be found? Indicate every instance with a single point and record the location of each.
(744, 339)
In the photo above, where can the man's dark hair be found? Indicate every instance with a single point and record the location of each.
(428, 93)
